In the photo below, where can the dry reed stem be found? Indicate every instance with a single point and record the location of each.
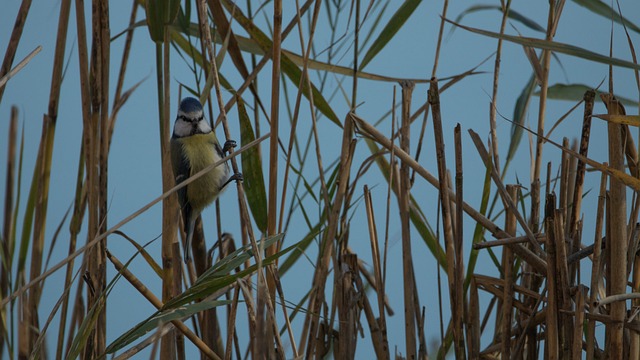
(617, 228)
(563, 287)
(494, 94)
(272, 204)
(381, 343)
(541, 237)
(580, 173)
(157, 303)
(495, 286)
(403, 205)
(507, 265)
(209, 321)
(8, 239)
(564, 176)
(473, 320)
(459, 216)
(346, 301)
(231, 325)
(171, 275)
(595, 270)
(578, 327)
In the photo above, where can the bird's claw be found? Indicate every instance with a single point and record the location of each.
(228, 145)
(236, 176)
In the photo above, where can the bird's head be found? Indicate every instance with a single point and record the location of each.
(190, 120)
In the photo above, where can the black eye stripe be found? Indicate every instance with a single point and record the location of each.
(188, 119)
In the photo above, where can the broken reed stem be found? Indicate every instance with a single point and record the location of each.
(381, 344)
(403, 204)
(588, 98)
(459, 277)
(455, 297)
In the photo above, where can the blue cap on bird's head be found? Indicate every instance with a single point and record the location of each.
(190, 105)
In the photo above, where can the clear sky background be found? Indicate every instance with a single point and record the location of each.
(134, 167)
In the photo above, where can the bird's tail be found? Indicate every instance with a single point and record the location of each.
(190, 230)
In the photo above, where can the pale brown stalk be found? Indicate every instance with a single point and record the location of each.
(617, 228)
(507, 266)
(595, 270)
(580, 174)
(403, 204)
(380, 342)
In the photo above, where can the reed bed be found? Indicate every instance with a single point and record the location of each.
(318, 208)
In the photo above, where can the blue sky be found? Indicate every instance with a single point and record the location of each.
(134, 167)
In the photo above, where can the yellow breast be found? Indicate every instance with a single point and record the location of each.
(200, 151)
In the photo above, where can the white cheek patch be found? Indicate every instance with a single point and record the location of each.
(203, 126)
(182, 128)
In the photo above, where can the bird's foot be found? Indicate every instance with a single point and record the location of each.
(236, 176)
(228, 145)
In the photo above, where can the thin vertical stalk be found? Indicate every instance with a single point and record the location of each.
(403, 199)
(618, 230)
(171, 279)
(79, 208)
(272, 211)
(382, 348)
(95, 257)
(578, 328)
(507, 265)
(275, 110)
(535, 179)
(552, 351)
(8, 239)
(459, 262)
(494, 95)
(595, 270)
(588, 98)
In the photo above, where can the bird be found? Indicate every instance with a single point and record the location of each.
(194, 146)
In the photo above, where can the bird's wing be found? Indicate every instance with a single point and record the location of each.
(216, 145)
(181, 171)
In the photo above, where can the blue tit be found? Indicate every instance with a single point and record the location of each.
(194, 146)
